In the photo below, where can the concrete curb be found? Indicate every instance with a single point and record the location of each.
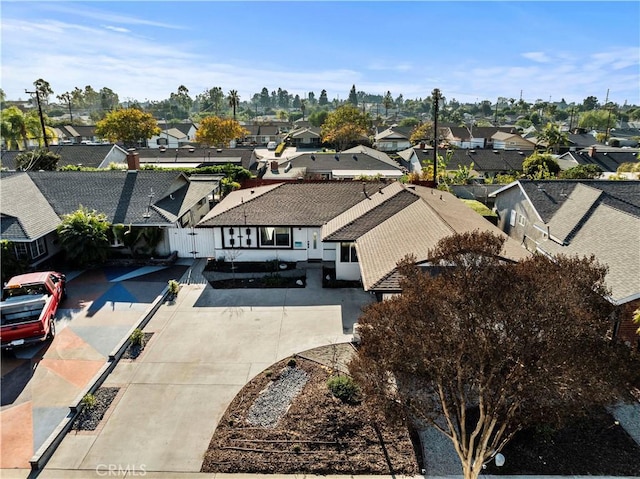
(44, 453)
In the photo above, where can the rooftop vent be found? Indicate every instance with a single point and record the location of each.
(191, 150)
(313, 157)
(496, 152)
(163, 149)
(337, 157)
(288, 167)
(355, 157)
(472, 151)
(219, 150)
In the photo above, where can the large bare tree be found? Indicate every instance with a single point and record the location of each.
(486, 347)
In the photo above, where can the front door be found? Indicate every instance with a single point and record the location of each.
(314, 245)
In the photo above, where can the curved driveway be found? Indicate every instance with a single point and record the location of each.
(205, 348)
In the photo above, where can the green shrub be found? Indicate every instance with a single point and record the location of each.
(88, 401)
(137, 337)
(174, 286)
(344, 388)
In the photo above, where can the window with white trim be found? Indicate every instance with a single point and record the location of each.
(522, 221)
(38, 248)
(512, 218)
(271, 237)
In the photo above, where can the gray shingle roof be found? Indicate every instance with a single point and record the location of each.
(547, 196)
(488, 160)
(572, 211)
(122, 196)
(366, 215)
(359, 158)
(606, 160)
(289, 204)
(612, 236)
(197, 156)
(26, 214)
(86, 155)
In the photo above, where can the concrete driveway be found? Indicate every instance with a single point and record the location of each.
(205, 348)
(40, 383)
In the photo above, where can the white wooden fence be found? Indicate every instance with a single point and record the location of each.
(192, 242)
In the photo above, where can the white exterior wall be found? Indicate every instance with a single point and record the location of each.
(347, 271)
(250, 252)
(329, 251)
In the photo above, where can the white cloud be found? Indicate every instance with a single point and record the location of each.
(539, 57)
(117, 29)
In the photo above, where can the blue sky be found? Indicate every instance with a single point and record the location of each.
(472, 51)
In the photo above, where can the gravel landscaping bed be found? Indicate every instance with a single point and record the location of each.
(134, 350)
(318, 434)
(90, 417)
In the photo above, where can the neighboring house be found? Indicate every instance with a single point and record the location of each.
(93, 156)
(356, 162)
(394, 138)
(608, 159)
(510, 141)
(305, 137)
(190, 156)
(33, 204)
(486, 163)
(261, 134)
(581, 217)
(362, 230)
(485, 137)
(69, 134)
(169, 138)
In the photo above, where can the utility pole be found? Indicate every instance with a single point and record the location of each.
(44, 131)
(435, 98)
(495, 116)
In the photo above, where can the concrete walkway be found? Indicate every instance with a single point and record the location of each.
(206, 347)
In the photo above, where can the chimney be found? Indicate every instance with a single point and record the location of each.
(422, 145)
(133, 160)
(592, 151)
(274, 166)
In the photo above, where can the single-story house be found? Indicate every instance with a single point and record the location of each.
(357, 162)
(305, 137)
(94, 156)
(191, 156)
(363, 229)
(581, 217)
(608, 159)
(394, 138)
(34, 202)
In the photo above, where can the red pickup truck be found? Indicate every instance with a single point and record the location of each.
(28, 307)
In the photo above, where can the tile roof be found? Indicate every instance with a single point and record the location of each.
(612, 236)
(24, 220)
(289, 204)
(123, 196)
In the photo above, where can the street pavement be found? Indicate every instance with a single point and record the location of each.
(40, 383)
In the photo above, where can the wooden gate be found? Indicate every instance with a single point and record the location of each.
(192, 242)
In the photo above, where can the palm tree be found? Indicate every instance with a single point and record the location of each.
(14, 127)
(387, 102)
(234, 101)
